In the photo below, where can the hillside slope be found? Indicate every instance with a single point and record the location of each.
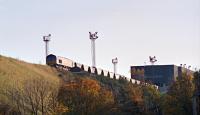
(24, 85)
(39, 89)
(17, 69)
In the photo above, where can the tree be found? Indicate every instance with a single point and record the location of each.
(85, 96)
(197, 92)
(133, 99)
(33, 95)
(41, 94)
(151, 98)
(178, 100)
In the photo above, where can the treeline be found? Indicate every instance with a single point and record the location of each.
(72, 94)
(35, 95)
(94, 95)
(99, 95)
(181, 96)
(27, 89)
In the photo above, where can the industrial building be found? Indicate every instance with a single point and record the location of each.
(160, 75)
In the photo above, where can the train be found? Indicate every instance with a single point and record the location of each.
(73, 66)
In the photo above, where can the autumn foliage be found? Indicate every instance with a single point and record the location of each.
(85, 96)
(178, 100)
(30, 89)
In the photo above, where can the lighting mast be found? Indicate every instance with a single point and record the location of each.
(93, 37)
(115, 61)
(46, 39)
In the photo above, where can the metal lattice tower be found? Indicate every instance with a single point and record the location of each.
(46, 39)
(93, 37)
(115, 61)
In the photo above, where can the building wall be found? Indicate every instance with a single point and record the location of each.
(137, 72)
(161, 75)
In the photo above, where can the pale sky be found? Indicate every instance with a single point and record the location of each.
(131, 30)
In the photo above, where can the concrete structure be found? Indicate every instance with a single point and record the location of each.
(160, 75)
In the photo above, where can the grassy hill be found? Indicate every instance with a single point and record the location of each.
(27, 88)
(21, 84)
(17, 69)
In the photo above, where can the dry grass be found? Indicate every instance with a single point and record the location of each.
(19, 70)
(16, 76)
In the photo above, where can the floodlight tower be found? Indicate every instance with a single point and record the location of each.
(46, 39)
(93, 37)
(115, 61)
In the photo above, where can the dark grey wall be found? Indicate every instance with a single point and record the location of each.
(158, 74)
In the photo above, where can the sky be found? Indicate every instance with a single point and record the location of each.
(131, 30)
